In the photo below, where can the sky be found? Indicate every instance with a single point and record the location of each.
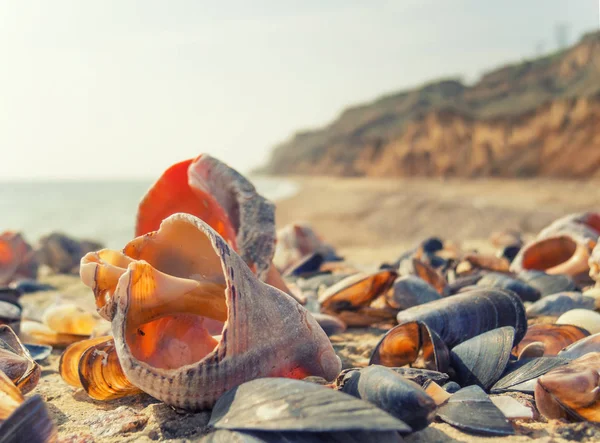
(124, 88)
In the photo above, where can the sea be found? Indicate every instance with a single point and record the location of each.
(104, 211)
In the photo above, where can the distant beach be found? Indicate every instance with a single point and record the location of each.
(96, 210)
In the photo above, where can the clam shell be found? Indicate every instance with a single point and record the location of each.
(547, 284)
(551, 339)
(188, 317)
(482, 360)
(581, 347)
(389, 391)
(583, 318)
(503, 281)
(471, 410)
(284, 405)
(524, 371)
(558, 304)
(225, 436)
(409, 291)
(411, 343)
(463, 316)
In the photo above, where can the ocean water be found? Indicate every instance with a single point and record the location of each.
(97, 210)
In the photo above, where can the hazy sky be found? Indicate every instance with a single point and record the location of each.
(124, 88)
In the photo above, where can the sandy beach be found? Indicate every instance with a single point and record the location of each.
(373, 220)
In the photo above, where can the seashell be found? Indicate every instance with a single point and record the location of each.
(308, 264)
(582, 226)
(557, 304)
(40, 334)
(68, 318)
(429, 275)
(509, 252)
(330, 324)
(583, 318)
(482, 360)
(389, 391)
(17, 259)
(549, 338)
(411, 343)
(474, 261)
(581, 347)
(225, 436)
(409, 291)
(594, 264)
(420, 376)
(16, 362)
(519, 374)
(10, 311)
(511, 408)
(463, 316)
(188, 317)
(23, 420)
(349, 299)
(503, 281)
(27, 286)
(571, 391)
(285, 405)
(471, 410)
(222, 198)
(38, 352)
(298, 240)
(437, 393)
(452, 387)
(94, 366)
(462, 282)
(62, 253)
(547, 284)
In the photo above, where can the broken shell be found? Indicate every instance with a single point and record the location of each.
(411, 343)
(279, 404)
(583, 318)
(389, 391)
(17, 259)
(437, 393)
(548, 284)
(16, 362)
(520, 374)
(356, 291)
(23, 420)
(503, 281)
(463, 316)
(188, 317)
(549, 338)
(471, 410)
(581, 347)
(557, 304)
(296, 241)
(482, 359)
(409, 291)
(511, 408)
(571, 391)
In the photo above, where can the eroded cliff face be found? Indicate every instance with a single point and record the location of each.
(538, 118)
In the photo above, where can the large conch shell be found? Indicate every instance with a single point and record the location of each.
(564, 247)
(190, 320)
(17, 258)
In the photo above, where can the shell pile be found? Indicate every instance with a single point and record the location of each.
(209, 308)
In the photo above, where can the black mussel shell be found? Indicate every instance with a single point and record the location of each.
(409, 291)
(557, 304)
(462, 282)
(225, 436)
(483, 359)
(519, 374)
(471, 410)
(547, 284)
(452, 387)
(330, 324)
(284, 405)
(29, 423)
(10, 295)
(387, 390)
(306, 265)
(463, 316)
(27, 286)
(420, 376)
(432, 245)
(10, 312)
(509, 252)
(503, 281)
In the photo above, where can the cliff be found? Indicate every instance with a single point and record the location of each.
(536, 118)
